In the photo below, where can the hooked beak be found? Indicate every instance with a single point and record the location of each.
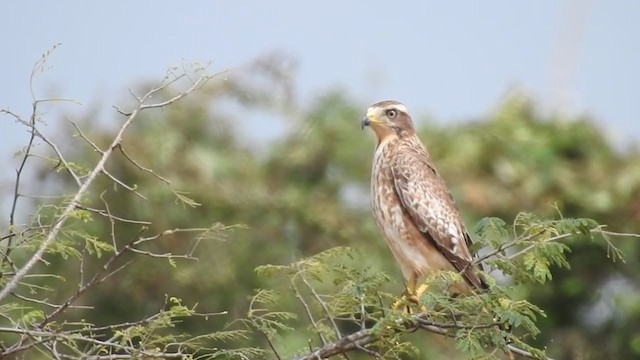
(365, 122)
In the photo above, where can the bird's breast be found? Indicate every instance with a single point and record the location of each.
(390, 216)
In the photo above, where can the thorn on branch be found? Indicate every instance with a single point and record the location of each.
(121, 112)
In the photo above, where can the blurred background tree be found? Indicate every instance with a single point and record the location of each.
(305, 189)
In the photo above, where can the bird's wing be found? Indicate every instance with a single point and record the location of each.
(430, 205)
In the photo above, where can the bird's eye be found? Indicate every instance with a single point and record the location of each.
(391, 113)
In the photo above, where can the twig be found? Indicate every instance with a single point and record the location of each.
(121, 183)
(97, 278)
(273, 348)
(85, 138)
(619, 234)
(136, 164)
(16, 188)
(165, 255)
(42, 302)
(100, 167)
(45, 336)
(112, 223)
(359, 339)
(52, 145)
(323, 304)
(596, 230)
(522, 352)
(168, 232)
(114, 217)
(37, 67)
(342, 345)
(308, 311)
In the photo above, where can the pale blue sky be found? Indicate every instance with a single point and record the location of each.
(452, 59)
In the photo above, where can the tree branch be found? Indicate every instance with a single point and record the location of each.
(358, 340)
(100, 167)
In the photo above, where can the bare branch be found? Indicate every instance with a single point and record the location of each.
(16, 188)
(112, 222)
(345, 344)
(98, 278)
(165, 255)
(196, 85)
(519, 241)
(167, 233)
(308, 311)
(105, 213)
(273, 348)
(359, 340)
(618, 234)
(84, 137)
(136, 164)
(43, 336)
(323, 305)
(119, 182)
(60, 158)
(100, 167)
(45, 303)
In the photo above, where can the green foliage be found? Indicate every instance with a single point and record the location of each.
(535, 244)
(199, 165)
(265, 321)
(479, 324)
(493, 231)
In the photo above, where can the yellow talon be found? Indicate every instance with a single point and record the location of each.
(396, 304)
(421, 290)
(411, 294)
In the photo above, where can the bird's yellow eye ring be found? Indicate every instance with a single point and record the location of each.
(391, 113)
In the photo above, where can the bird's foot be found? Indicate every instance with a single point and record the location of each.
(415, 297)
(398, 303)
(411, 297)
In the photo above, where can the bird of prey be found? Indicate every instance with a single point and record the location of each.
(412, 205)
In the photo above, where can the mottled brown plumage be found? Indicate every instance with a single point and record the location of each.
(412, 205)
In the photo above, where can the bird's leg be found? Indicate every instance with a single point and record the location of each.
(416, 293)
(411, 293)
(406, 294)
(411, 289)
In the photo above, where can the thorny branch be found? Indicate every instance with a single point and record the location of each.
(106, 271)
(44, 337)
(99, 168)
(358, 341)
(323, 304)
(31, 123)
(308, 312)
(49, 339)
(598, 230)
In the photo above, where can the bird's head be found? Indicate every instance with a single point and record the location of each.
(389, 118)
